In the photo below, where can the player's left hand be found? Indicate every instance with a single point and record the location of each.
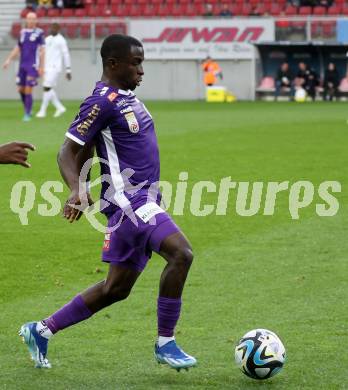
(68, 76)
(6, 64)
(41, 71)
(73, 213)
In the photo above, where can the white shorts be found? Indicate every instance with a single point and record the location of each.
(50, 78)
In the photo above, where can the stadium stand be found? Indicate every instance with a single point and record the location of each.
(282, 10)
(182, 8)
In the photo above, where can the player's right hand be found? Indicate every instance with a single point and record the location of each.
(75, 205)
(15, 153)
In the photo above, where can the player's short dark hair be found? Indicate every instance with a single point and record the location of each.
(117, 46)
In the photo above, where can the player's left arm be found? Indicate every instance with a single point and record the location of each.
(66, 59)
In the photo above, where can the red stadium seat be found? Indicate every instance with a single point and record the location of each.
(118, 10)
(71, 30)
(190, 10)
(315, 29)
(184, 1)
(100, 31)
(345, 10)
(67, 12)
(334, 10)
(176, 10)
(305, 11)
(41, 12)
(163, 10)
(92, 12)
(319, 11)
(134, 10)
(261, 9)
(283, 24)
(24, 12)
(112, 2)
(104, 11)
(298, 26)
(290, 10)
(80, 13)
(53, 12)
(246, 10)
(103, 2)
(117, 28)
(275, 9)
(85, 31)
(237, 9)
(15, 30)
(329, 29)
(149, 11)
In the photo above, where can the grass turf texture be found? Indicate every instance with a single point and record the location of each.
(289, 276)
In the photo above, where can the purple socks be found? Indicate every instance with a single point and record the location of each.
(73, 312)
(28, 103)
(168, 313)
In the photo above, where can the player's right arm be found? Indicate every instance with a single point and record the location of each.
(14, 53)
(78, 148)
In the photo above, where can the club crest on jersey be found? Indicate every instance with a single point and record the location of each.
(112, 96)
(84, 126)
(132, 122)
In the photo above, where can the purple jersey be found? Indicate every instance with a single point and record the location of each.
(29, 43)
(124, 135)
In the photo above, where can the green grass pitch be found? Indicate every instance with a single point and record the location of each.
(289, 276)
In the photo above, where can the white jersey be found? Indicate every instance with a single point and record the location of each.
(56, 53)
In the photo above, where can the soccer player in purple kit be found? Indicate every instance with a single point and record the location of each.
(30, 48)
(122, 130)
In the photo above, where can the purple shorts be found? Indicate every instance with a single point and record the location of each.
(27, 77)
(131, 243)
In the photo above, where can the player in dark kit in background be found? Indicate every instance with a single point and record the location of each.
(30, 47)
(284, 80)
(122, 130)
(307, 79)
(331, 82)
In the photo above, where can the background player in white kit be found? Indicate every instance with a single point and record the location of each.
(57, 53)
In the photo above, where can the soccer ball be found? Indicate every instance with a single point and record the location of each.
(260, 354)
(300, 95)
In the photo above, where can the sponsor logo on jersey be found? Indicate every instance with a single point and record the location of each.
(121, 103)
(84, 126)
(132, 122)
(127, 109)
(106, 245)
(112, 96)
